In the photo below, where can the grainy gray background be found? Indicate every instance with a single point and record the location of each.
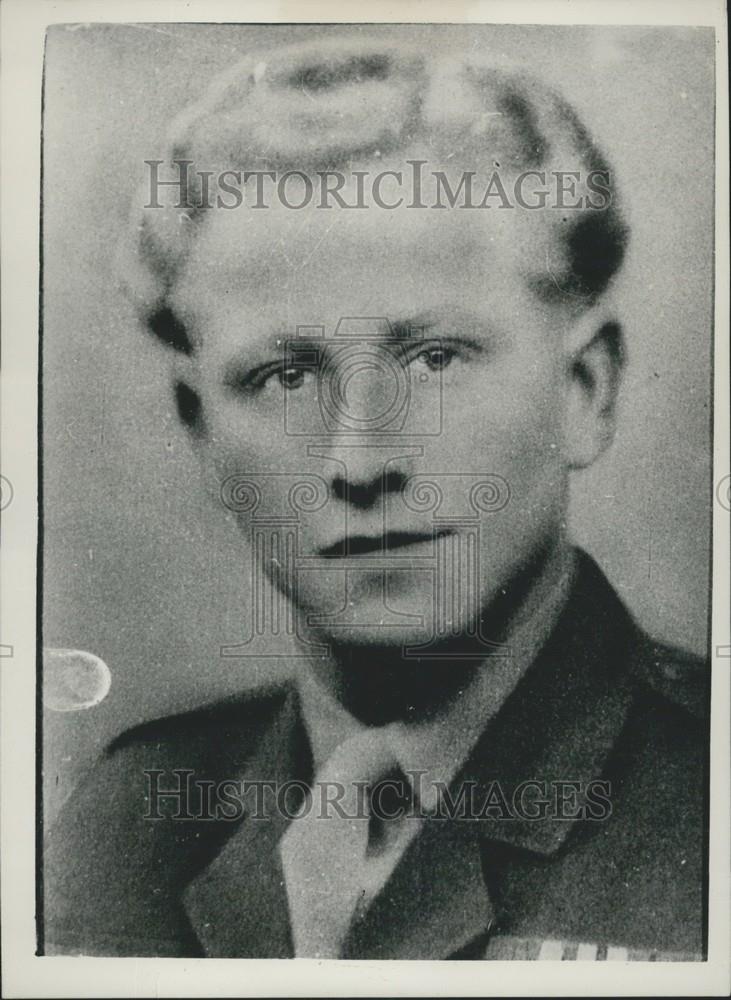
(140, 568)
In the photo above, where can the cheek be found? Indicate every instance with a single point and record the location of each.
(534, 419)
(537, 471)
(236, 435)
(514, 428)
(251, 465)
(511, 413)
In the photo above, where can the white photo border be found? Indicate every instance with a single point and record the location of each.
(24, 23)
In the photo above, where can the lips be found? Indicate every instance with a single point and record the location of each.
(391, 541)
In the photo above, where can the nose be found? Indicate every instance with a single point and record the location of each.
(364, 391)
(362, 487)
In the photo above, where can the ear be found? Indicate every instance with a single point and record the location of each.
(594, 370)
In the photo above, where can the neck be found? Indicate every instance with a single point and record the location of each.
(378, 685)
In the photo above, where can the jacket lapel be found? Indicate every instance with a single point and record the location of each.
(560, 724)
(238, 904)
(434, 904)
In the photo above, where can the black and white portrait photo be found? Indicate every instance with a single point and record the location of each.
(376, 490)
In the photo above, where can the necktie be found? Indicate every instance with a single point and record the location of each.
(341, 849)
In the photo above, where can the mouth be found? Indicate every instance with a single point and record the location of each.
(391, 541)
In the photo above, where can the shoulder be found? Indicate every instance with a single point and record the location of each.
(641, 869)
(660, 751)
(211, 742)
(674, 676)
(665, 674)
(659, 776)
(665, 742)
(110, 810)
(113, 868)
(207, 733)
(667, 731)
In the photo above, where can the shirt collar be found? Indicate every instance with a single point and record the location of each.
(440, 746)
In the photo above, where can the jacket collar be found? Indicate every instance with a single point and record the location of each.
(238, 907)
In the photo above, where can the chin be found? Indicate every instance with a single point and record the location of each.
(391, 610)
(392, 654)
(388, 659)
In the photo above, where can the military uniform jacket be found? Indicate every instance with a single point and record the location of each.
(602, 702)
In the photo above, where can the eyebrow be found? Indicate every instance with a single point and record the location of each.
(383, 328)
(407, 329)
(447, 322)
(379, 327)
(441, 320)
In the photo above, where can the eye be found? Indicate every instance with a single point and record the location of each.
(287, 377)
(291, 378)
(436, 358)
(270, 378)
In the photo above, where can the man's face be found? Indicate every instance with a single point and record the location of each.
(393, 361)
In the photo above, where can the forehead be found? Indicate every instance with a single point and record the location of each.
(314, 265)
